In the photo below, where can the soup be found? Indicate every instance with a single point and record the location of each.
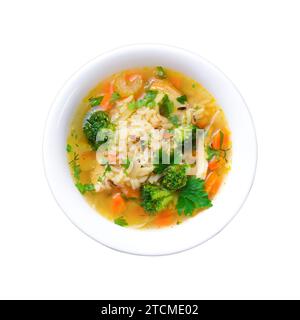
(149, 148)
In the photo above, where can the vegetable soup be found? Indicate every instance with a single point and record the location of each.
(149, 148)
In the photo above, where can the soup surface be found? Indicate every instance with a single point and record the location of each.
(149, 148)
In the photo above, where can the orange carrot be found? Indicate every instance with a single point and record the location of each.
(212, 184)
(220, 140)
(214, 164)
(202, 123)
(164, 218)
(108, 91)
(118, 203)
(176, 81)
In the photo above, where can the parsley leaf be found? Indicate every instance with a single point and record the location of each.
(126, 164)
(193, 196)
(75, 166)
(76, 171)
(160, 72)
(148, 99)
(210, 152)
(132, 105)
(166, 106)
(83, 188)
(182, 99)
(174, 120)
(69, 148)
(114, 97)
(121, 222)
(95, 101)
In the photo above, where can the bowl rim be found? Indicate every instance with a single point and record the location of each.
(158, 47)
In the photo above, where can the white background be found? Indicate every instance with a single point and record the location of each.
(256, 43)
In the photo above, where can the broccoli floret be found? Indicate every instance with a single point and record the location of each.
(174, 177)
(155, 198)
(93, 123)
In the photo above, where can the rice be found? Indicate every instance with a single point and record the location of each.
(139, 148)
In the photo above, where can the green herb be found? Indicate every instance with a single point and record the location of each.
(76, 171)
(166, 106)
(193, 196)
(148, 99)
(107, 169)
(69, 148)
(126, 164)
(193, 85)
(160, 72)
(132, 105)
(121, 222)
(75, 166)
(210, 152)
(114, 97)
(174, 120)
(95, 101)
(83, 188)
(182, 99)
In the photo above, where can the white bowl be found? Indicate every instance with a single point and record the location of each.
(163, 241)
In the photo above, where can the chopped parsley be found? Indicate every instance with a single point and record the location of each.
(160, 72)
(148, 100)
(126, 164)
(69, 148)
(95, 101)
(76, 171)
(75, 166)
(182, 99)
(210, 152)
(121, 222)
(166, 106)
(107, 169)
(114, 97)
(174, 120)
(83, 188)
(193, 196)
(132, 105)
(194, 85)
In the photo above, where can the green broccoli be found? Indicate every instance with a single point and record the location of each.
(155, 198)
(93, 123)
(174, 177)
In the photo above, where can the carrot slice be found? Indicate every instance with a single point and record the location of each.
(108, 91)
(214, 164)
(118, 204)
(212, 184)
(165, 218)
(220, 140)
